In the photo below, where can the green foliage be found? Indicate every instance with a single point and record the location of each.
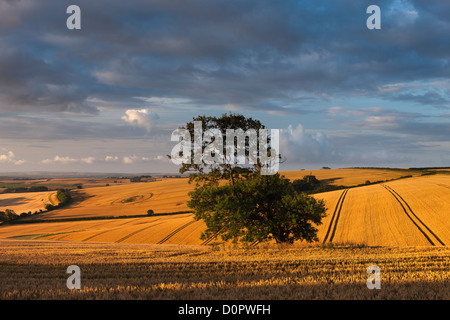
(63, 196)
(25, 189)
(259, 208)
(49, 207)
(211, 173)
(248, 206)
(309, 184)
(8, 215)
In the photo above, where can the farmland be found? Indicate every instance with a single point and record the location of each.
(401, 224)
(119, 197)
(407, 212)
(168, 195)
(352, 176)
(394, 213)
(34, 269)
(27, 202)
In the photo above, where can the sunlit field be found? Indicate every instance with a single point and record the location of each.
(401, 225)
(32, 269)
(405, 212)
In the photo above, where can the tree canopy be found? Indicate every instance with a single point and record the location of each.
(257, 209)
(238, 203)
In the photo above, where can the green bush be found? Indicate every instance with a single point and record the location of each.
(8, 215)
(63, 196)
(49, 207)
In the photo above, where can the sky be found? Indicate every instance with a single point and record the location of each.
(107, 97)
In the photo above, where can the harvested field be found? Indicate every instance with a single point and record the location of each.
(170, 195)
(352, 176)
(33, 269)
(27, 202)
(406, 212)
(169, 229)
(165, 196)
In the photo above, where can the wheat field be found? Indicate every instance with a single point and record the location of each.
(35, 269)
(27, 202)
(402, 226)
(351, 176)
(406, 212)
(118, 197)
(164, 196)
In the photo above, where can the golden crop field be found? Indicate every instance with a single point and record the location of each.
(169, 229)
(118, 197)
(351, 176)
(165, 196)
(26, 202)
(402, 226)
(34, 269)
(406, 212)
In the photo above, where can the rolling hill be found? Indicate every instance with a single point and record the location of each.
(407, 212)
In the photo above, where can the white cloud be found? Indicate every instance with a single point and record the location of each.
(162, 159)
(297, 145)
(9, 157)
(58, 159)
(88, 160)
(135, 159)
(67, 160)
(142, 118)
(112, 159)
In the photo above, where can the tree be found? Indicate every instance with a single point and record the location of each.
(257, 209)
(8, 215)
(63, 196)
(238, 203)
(212, 173)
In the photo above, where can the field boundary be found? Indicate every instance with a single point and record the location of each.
(19, 221)
(336, 214)
(403, 203)
(42, 235)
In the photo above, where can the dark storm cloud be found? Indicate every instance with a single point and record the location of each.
(215, 52)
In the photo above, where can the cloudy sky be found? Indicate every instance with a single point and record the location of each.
(107, 97)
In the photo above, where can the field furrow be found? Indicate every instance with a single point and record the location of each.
(170, 235)
(423, 228)
(371, 216)
(429, 197)
(338, 213)
(136, 232)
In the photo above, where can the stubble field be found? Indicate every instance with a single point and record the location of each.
(37, 270)
(402, 226)
(405, 212)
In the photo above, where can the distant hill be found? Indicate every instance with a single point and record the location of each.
(53, 175)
